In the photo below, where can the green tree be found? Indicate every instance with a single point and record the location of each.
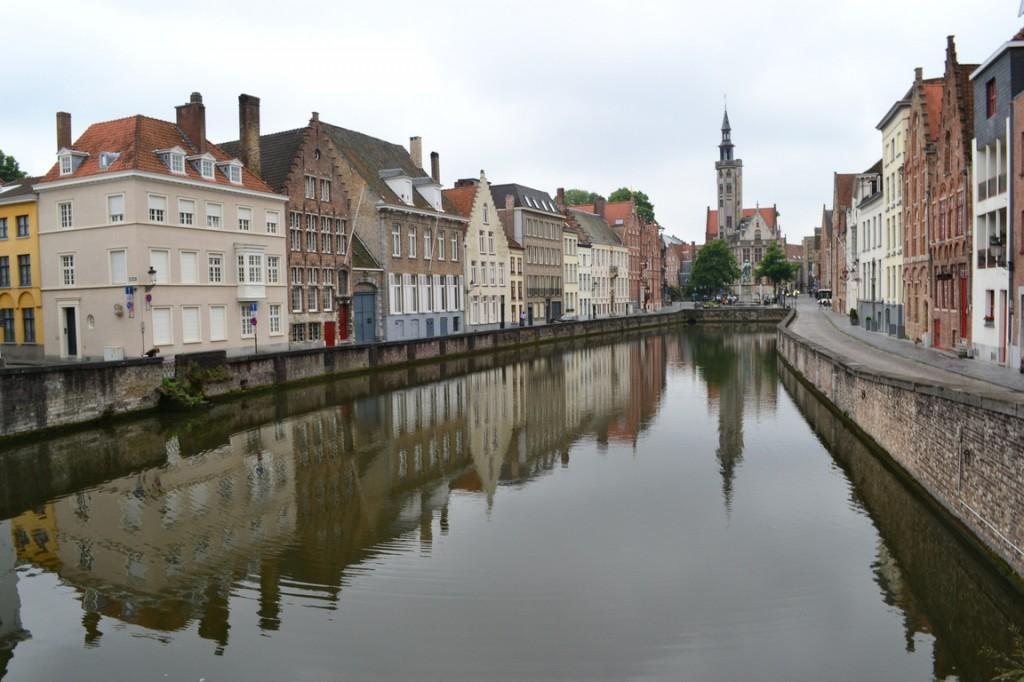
(580, 197)
(775, 267)
(714, 269)
(644, 207)
(9, 168)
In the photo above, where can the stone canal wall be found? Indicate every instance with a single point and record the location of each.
(36, 398)
(966, 451)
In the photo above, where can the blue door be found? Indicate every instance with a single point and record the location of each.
(444, 326)
(365, 305)
(430, 328)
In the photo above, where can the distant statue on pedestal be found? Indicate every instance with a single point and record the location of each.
(745, 272)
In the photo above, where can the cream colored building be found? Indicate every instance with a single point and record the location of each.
(894, 127)
(151, 241)
(488, 289)
(609, 265)
(570, 273)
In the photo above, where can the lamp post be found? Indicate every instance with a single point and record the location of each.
(149, 299)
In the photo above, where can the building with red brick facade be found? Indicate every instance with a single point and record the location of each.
(651, 267)
(842, 201)
(950, 212)
(918, 178)
(625, 222)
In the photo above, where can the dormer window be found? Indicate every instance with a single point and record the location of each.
(107, 158)
(174, 159)
(69, 160)
(206, 168)
(232, 170)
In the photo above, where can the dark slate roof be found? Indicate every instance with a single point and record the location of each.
(277, 152)
(361, 256)
(18, 188)
(368, 156)
(525, 197)
(595, 227)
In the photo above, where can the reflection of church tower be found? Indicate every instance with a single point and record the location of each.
(730, 433)
(730, 183)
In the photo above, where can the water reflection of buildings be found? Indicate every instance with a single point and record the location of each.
(740, 374)
(261, 506)
(10, 607)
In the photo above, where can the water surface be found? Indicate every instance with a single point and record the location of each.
(668, 506)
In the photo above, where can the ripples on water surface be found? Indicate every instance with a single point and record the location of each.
(664, 507)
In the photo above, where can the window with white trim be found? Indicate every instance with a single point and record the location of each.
(206, 168)
(325, 190)
(424, 293)
(328, 305)
(234, 173)
(297, 299)
(215, 268)
(313, 277)
(440, 245)
(409, 294)
(396, 293)
(67, 269)
(412, 242)
(218, 323)
(396, 239)
(190, 328)
(342, 230)
(244, 219)
(186, 212)
(115, 208)
(295, 230)
(176, 162)
(273, 269)
(248, 328)
(189, 267)
(273, 219)
(157, 208)
(163, 330)
(311, 224)
(428, 244)
(119, 267)
(313, 299)
(213, 215)
(65, 214)
(455, 246)
(326, 238)
(483, 243)
(67, 167)
(310, 187)
(438, 294)
(274, 319)
(160, 262)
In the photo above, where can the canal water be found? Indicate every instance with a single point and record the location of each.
(666, 506)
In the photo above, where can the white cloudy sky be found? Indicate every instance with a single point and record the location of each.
(596, 94)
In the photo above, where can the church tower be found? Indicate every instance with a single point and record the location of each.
(730, 183)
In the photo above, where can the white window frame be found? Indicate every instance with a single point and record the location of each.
(273, 221)
(110, 265)
(199, 324)
(181, 265)
(206, 169)
(243, 216)
(273, 269)
(66, 263)
(440, 244)
(176, 163)
(223, 323)
(112, 217)
(396, 240)
(411, 234)
(66, 214)
(309, 188)
(245, 327)
(182, 204)
(216, 217)
(67, 166)
(428, 244)
(341, 226)
(150, 210)
(395, 285)
(274, 317)
(170, 325)
(166, 275)
(215, 268)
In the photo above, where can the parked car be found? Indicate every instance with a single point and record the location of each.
(568, 317)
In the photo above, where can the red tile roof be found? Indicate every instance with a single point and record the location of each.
(586, 208)
(768, 214)
(462, 199)
(614, 211)
(795, 251)
(135, 139)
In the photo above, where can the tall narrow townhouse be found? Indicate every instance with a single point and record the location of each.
(411, 230)
(651, 266)
(536, 225)
(950, 236)
(868, 209)
(995, 312)
(893, 126)
(918, 170)
(155, 238)
(842, 259)
(570, 271)
(21, 303)
(516, 277)
(609, 264)
(622, 217)
(323, 251)
(586, 278)
(487, 260)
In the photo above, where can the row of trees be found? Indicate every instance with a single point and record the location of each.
(9, 169)
(715, 268)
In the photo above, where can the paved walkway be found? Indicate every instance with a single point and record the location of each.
(902, 359)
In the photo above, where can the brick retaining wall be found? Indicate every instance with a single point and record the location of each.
(36, 398)
(965, 450)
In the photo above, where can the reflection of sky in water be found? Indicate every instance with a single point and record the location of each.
(655, 508)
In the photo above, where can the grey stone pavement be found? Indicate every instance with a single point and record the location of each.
(903, 359)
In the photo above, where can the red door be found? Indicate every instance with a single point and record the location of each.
(965, 325)
(343, 320)
(937, 334)
(329, 334)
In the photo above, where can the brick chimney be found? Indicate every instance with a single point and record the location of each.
(560, 199)
(249, 131)
(599, 206)
(435, 167)
(63, 130)
(192, 121)
(416, 150)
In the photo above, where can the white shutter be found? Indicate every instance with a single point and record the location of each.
(161, 262)
(190, 325)
(157, 203)
(118, 267)
(218, 323)
(162, 327)
(115, 208)
(189, 267)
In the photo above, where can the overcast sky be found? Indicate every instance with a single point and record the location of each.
(596, 94)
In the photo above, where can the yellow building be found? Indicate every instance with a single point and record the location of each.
(21, 319)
